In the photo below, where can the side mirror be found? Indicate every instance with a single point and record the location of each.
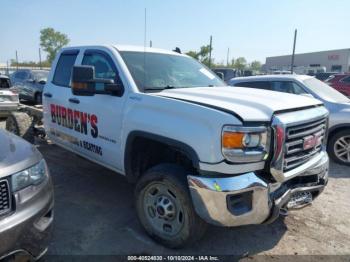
(221, 75)
(42, 82)
(114, 89)
(83, 80)
(84, 83)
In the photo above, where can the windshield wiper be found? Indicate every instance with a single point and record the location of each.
(159, 88)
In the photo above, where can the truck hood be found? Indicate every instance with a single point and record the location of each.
(248, 103)
(16, 154)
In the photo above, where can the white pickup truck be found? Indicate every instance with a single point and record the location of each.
(198, 151)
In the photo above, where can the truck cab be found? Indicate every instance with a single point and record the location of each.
(198, 151)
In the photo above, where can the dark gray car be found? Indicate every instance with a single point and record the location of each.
(337, 104)
(26, 199)
(29, 84)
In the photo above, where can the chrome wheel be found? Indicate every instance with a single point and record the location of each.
(342, 149)
(163, 209)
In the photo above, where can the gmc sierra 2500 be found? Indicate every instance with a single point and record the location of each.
(197, 150)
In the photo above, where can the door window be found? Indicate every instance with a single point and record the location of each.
(346, 80)
(64, 67)
(104, 68)
(21, 75)
(287, 87)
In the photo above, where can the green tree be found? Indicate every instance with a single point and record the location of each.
(240, 63)
(52, 41)
(202, 55)
(255, 65)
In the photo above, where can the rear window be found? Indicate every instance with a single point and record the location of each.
(5, 83)
(64, 67)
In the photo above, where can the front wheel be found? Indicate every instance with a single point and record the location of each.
(165, 209)
(339, 147)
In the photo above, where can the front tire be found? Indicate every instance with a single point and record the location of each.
(21, 124)
(165, 209)
(339, 147)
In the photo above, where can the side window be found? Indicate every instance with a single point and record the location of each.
(21, 75)
(64, 69)
(287, 87)
(256, 84)
(346, 80)
(104, 67)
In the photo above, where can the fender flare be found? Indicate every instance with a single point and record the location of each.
(179, 146)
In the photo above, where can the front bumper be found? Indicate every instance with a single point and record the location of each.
(248, 199)
(26, 230)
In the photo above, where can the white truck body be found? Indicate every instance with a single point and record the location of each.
(191, 121)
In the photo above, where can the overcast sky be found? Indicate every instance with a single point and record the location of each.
(253, 29)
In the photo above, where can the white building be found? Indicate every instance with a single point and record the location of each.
(333, 61)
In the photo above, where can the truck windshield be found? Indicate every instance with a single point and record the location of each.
(325, 91)
(156, 71)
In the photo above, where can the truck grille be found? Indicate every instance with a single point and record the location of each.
(303, 142)
(5, 197)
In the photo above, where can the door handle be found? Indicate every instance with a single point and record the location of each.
(74, 100)
(47, 94)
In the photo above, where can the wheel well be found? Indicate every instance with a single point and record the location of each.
(335, 130)
(144, 152)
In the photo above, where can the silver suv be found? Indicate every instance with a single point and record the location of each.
(29, 84)
(26, 199)
(337, 104)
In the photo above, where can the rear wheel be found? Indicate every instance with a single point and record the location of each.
(21, 124)
(339, 147)
(165, 209)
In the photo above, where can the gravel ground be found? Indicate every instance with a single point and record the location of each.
(94, 214)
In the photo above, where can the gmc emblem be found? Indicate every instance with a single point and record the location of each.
(312, 141)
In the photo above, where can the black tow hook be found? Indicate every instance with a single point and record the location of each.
(284, 212)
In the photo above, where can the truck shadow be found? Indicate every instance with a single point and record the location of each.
(339, 171)
(95, 215)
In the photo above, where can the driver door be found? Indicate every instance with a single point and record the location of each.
(103, 111)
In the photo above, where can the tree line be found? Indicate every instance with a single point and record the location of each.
(239, 63)
(51, 41)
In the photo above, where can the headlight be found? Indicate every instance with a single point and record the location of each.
(245, 144)
(31, 176)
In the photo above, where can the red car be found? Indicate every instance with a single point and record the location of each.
(340, 82)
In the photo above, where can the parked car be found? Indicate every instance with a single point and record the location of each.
(337, 104)
(340, 82)
(227, 73)
(5, 82)
(29, 84)
(323, 76)
(26, 199)
(9, 102)
(199, 151)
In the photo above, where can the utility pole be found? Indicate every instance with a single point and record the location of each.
(150, 43)
(7, 67)
(40, 58)
(210, 47)
(295, 40)
(228, 55)
(16, 60)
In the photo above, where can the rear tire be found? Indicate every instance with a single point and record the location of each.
(21, 124)
(339, 147)
(164, 207)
